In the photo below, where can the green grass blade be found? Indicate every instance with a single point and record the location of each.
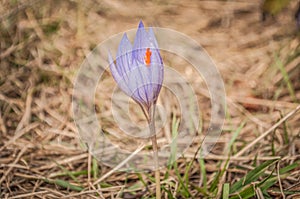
(268, 183)
(73, 173)
(286, 78)
(95, 170)
(289, 168)
(247, 192)
(64, 184)
(215, 182)
(173, 155)
(67, 185)
(105, 185)
(251, 176)
(141, 179)
(226, 191)
(68, 172)
(169, 193)
(235, 135)
(203, 172)
(182, 189)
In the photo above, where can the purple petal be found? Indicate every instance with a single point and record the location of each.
(124, 55)
(141, 43)
(141, 25)
(152, 38)
(118, 77)
(140, 81)
(155, 58)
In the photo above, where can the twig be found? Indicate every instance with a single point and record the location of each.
(27, 113)
(64, 161)
(263, 102)
(28, 194)
(19, 8)
(267, 132)
(16, 47)
(279, 180)
(2, 124)
(120, 165)
(248, 114)
(97, 190)
(89, 167)
(20, 133)
(94, 191)
(35, 24)
(10, 168)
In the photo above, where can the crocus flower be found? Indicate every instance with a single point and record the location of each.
(138, 69)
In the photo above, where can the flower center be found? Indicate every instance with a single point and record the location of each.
(147, 57)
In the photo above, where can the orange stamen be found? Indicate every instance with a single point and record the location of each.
(147, 57)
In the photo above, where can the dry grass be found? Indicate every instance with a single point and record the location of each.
(43, 44)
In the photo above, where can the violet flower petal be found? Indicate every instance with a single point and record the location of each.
(140, 80)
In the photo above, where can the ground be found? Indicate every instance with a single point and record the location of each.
(43, 44)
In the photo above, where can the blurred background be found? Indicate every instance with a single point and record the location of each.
(255, 46)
